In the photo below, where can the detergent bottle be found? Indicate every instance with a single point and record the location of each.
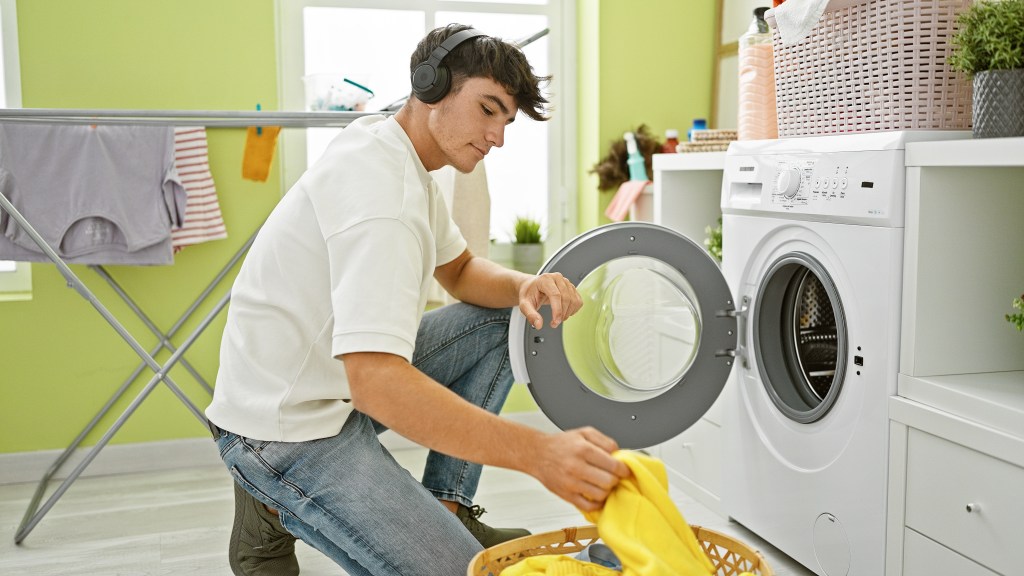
(758, 118)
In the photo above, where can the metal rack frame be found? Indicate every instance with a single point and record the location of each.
(210, 119)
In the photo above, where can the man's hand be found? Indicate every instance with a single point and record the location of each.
(577, 466)
(552, 289)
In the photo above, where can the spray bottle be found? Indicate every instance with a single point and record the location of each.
(634, 159)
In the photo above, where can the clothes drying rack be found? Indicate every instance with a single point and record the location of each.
(209, 119)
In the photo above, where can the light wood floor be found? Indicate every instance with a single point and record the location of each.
(179, 523)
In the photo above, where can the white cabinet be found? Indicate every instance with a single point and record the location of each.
(956, 442)
(956, 472)
(687, 198)
(688, 192)
(963, 256)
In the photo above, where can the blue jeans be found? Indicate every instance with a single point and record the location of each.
(347, 496)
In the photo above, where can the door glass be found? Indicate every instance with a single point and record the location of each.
(638, 330)
(800, 338)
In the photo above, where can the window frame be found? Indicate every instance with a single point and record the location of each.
(9, 51)
(562, 174)
(16, 285)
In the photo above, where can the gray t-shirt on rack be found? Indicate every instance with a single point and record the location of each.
(102, 194)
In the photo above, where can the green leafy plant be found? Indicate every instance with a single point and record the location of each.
(714, 240)
(527, 231)
(1018, 318)
(990, 37)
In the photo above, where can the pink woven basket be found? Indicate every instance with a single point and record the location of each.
(872, 65)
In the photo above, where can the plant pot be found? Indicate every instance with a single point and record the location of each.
(527, 257)
(999, 103)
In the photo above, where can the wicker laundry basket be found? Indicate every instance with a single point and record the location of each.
(729, 556)
(871, 65)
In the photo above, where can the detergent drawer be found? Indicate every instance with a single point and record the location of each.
(965, 500)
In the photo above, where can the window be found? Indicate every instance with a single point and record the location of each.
(15, 277)
(532, 175)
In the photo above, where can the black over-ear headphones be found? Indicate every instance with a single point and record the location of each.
(430, 79)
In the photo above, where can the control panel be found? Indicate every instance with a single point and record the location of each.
(863, 186)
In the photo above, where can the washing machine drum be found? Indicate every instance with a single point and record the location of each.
(800, 337)
(650, 350)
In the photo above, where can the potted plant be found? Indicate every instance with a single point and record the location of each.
(527, 248)
(1018, 318)
(989, 47)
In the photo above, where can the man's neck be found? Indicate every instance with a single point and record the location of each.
(412, 117)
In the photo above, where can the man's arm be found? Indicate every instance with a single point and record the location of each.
(576, 465)
(479, 281)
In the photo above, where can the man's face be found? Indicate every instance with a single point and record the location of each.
(465, 125)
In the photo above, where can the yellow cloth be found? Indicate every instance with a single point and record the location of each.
(556, 565)
(259, 152)
(643, 526)
(640, 524)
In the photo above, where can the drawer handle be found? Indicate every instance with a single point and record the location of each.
(972, 507)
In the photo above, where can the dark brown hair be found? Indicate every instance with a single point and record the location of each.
(488, 57)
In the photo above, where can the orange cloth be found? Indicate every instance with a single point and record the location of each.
(259, 152)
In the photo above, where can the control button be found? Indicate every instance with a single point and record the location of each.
(844, 183)
(835, 183)
(788, 182)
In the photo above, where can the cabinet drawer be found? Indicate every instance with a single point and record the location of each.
(924, 557)
(966, 500)
(696, 454)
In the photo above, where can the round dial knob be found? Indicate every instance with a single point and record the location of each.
(788, 182)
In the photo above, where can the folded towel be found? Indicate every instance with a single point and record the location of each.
(203, 219)
(628, 192)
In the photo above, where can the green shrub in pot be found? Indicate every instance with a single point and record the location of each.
(989, 47)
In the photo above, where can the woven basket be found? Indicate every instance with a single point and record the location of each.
(729, 556)
(871, 65)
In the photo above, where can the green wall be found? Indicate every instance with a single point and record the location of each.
(644, 62)
(638, 62)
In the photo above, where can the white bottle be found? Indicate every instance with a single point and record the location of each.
(757, 115)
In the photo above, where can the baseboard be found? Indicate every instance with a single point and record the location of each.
(20, 467)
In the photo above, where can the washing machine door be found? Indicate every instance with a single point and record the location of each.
(650, 350)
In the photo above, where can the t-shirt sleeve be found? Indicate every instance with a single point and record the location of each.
(376, 268)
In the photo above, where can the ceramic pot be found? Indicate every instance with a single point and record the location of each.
(999, 103)
(527, 257)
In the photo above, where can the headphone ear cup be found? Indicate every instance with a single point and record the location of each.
(437, 89)
(423, 78)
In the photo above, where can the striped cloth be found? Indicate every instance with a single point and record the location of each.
(203, 221)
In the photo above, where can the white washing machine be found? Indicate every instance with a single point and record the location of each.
(813, 252)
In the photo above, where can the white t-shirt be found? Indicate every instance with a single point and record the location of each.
(342, 265)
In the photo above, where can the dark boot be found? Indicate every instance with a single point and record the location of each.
(486, 535)
(260, 546)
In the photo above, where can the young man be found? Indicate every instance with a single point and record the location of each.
(326, 343)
